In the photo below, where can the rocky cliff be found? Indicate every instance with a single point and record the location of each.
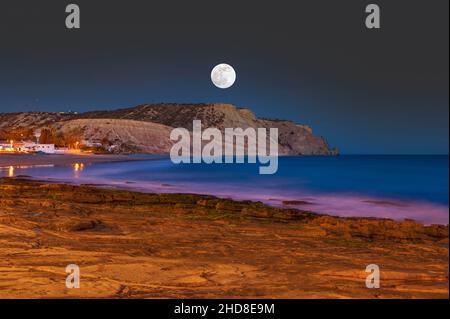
(126, 127)
(127, 136)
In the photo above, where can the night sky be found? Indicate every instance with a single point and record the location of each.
(313, 62)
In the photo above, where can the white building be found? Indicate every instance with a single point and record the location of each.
(44, 148)
(5, 146)
(92, 143)
(26, 147)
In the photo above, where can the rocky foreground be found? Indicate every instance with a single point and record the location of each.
(134, 245)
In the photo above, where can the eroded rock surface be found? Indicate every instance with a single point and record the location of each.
(134, 245)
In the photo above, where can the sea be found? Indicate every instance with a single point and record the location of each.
(382, 186)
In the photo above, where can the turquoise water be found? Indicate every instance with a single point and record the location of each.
(378, 186)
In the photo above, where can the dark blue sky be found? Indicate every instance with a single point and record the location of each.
(311, 62)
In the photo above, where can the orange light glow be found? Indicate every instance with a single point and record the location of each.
(11, 171)
(78, 167)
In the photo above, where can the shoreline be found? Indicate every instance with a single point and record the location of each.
(309, 205)
(287, 205)
(343, 204)
(276, 203)
(16, 160)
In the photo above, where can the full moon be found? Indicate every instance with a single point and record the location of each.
(223, 76)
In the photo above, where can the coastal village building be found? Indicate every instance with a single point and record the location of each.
(45, 148)
(6, 147)
(92, 143)
(27, 147)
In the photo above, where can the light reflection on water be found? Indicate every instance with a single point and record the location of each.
(77, 168)
(11, 171)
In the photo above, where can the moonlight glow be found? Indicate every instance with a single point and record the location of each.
(223, 76)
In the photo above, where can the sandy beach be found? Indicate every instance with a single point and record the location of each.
(136, 245)
(39, 159)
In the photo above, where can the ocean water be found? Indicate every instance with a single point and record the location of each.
(398, 187)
